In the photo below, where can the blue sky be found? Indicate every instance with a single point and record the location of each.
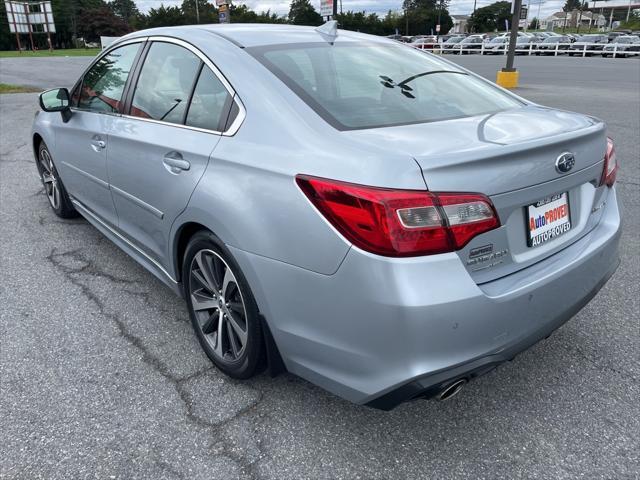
(281, 7)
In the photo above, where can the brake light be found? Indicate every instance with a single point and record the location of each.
(400, 223)
(610, 165)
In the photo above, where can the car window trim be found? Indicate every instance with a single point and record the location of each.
(106, 52)
(135, 72)
(235, 125)
(133, 78)
(196, 79)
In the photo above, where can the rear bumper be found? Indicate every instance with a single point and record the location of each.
(381, 331)
(432, 384)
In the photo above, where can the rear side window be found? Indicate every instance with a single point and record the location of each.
(368, 85)
(209, 103)
(103, 84)
(165, 83)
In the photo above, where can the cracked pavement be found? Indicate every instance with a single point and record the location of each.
(102, 377)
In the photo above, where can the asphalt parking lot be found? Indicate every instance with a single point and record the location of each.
(102, 377)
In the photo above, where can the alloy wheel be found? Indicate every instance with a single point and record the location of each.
(218, 305)
(49, 178)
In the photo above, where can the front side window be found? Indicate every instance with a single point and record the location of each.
(367, 85)
(165, 83)
(103, 84)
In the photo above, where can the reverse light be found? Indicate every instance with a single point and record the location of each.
(400, 223)
(610, 165)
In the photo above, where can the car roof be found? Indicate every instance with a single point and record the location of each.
(260, 34)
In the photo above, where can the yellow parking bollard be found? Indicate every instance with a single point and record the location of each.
(507, 79)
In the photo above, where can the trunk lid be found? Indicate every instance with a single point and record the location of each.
(511, 157)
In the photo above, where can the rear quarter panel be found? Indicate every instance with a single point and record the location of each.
(248, 195)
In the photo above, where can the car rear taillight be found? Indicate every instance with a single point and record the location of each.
(400, 223)
(610, 165)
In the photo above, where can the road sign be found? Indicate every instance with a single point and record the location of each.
(524, 12)
(223, 13)
(326, 8)
(438, 28)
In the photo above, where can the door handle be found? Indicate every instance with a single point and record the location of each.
(175, 163)
(97, 143)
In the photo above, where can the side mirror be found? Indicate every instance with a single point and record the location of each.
(56, 100)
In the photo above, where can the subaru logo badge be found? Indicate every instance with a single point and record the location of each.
(565, 162)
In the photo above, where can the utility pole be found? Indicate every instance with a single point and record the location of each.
(508, 76)
(197, 13)
(580, 17)
(335, 9)
(406, 22)
(439, 18)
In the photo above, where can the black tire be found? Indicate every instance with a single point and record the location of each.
(54, 188)
(249, 360)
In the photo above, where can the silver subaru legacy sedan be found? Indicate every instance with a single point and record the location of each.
(370, 217)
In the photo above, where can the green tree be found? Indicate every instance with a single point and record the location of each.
(164, 17)
(422, 16)
(393, 21)
(125, 9)
(96, 22)
(535, 24)
(205, 10)
(490, 18)
(570, 5)
(302, 12)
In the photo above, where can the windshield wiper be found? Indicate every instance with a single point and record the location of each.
(406, 89)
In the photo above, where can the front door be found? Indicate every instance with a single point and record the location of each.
(158, 153)
(84, 138)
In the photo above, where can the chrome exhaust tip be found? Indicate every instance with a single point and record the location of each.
(451, 390)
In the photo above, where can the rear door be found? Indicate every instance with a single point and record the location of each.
(82, 141)
(158, 152)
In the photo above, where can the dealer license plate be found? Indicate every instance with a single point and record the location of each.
(548, 219)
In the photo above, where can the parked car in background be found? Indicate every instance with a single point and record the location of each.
(451, 43)
(496, 46)
(443, 38)
(473, 43)
(613, 35)
(427, 42)
(395, 228)
(554, 43)
(525, 45)
(588, 43)
(623, 46)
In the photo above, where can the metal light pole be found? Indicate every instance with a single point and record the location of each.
(513, 38)
(197, 13)
(439, 18)
(508, 76)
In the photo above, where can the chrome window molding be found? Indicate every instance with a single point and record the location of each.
(242, 112)
(100, 56)
(234, 96)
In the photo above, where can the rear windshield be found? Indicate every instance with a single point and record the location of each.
(361, 85)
